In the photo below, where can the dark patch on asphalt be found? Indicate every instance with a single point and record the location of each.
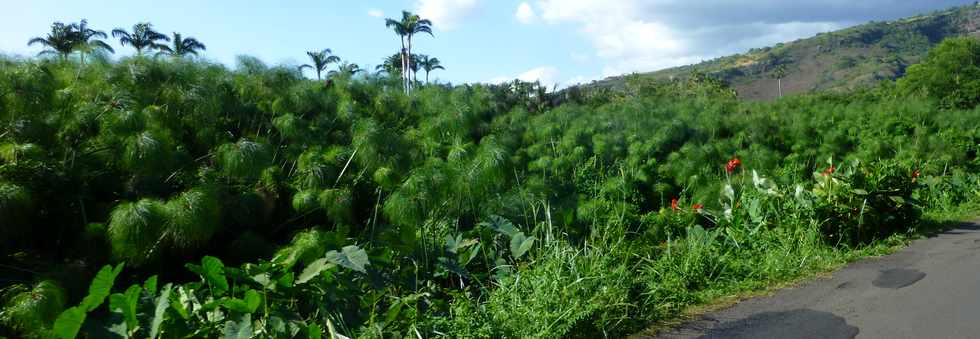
(897, 278)
(802, 324)
(844, 285)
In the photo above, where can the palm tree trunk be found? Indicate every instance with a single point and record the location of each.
(404, 60)
(426, 77)
(409, 60)
(779, 86)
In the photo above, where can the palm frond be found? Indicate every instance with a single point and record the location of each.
(136, 228)
(243, 160)
(31, 311)
(195, 216)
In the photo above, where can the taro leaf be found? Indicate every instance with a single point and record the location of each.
(234, 304)
(277, 326)
(69, 322)
(118, 325)
(351, 257)
(897, 199)
(248, 305)
(314, 269)
(100, 288)
(188, 302)
(859, 191)
(151, 285)
(333, 331)
(466, 257)
(252, 300)
(125, 304)
(314, 331)
(213, 272)
(520, 244)
(241, 329)
(163, 302)
(501, 225)
(286, 280)
(263, 279)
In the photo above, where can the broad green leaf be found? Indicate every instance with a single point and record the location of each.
(263, 279)
(333, 331)
(501, 225)
(314, 269)
(163, 302)
(214, 274)
(69, 322)
(241, 329)
(234, 304)
(151, 285)
(286, 280)
(252, 300)
(520, 244)
(100, 287)
(351, 257)
(126, 304)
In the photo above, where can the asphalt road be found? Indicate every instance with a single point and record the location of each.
(930, 289)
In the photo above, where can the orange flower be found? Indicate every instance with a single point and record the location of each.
(830, 170)
(697, 207)
(915, 175)
(733, 164)
(673, 204)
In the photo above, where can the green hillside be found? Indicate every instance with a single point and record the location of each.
(840, 60)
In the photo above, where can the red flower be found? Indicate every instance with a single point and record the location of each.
(830, 170)
(697, 207)
(733, 164)
(673, 204)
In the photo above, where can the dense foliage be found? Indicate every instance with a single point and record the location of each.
(353, 209)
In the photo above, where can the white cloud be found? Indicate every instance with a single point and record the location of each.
(646, 35)
(525, 14)
(547, 75)
(446, 14)
(377, 13)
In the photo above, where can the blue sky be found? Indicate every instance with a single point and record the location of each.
(556, 41)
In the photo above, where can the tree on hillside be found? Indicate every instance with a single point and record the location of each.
(61, 40)
(409, 25)
(950, 74)
(429, 64)
(779, 73)
(321, 60)
(86, 39)
(142, 37)
(182, 46)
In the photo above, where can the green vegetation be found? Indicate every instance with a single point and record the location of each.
(838, 61)
(354, 208)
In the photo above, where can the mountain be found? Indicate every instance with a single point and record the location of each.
(840, 60)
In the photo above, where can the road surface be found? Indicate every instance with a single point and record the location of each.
(930, 289)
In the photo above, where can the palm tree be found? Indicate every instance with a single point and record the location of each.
(429, 64)
(321, 60)
(406, 28)
(182, 46)
(86, 42)
(61, 40)
(415, 65)
(142, 37)
(780, 73)
(348, 69)
(391, 65)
